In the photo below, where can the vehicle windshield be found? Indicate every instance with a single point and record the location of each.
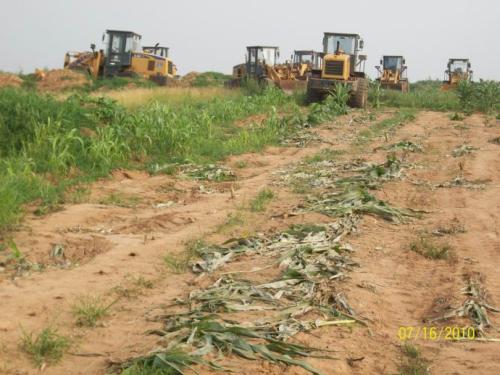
(158, 51)
(458, 66)
(133, 44)
(305, 58)
(346, 44)
(392, 62)
(267, 55)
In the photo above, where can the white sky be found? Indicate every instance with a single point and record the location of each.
(212, 34)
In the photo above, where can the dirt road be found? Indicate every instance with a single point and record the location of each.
(128, 223)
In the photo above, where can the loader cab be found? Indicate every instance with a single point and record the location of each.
(458, 69)
(392, 63)
(157, 51)
(118, 48)
(345, 44)
(458, 65)
(311, 58)
(260, 56)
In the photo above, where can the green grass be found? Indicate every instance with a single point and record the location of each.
(483, 96)
(402, 116)
(429, 249)
(180, 263)
(263, 198)
(207, 79)
(89, 310)
(142, 282)
(48, 145)
(44, 150)
(412, 362)
(45, 347)
(323, 155)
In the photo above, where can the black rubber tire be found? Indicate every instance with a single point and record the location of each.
(128, 74)
(159, 80)
(359, 97)
(314, 96)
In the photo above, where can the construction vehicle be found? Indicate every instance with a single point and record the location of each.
(262, 66)
(342, 65)
(307, 57)
(457, 70)
(123, 56)
(392, 73)
(303, 62)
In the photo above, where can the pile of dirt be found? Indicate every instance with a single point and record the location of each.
(10, 80)
(189, 79)
(62, 79)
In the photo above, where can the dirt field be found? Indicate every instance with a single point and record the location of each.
(128, 223)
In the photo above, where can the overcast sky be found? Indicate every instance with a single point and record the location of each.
(212, 34)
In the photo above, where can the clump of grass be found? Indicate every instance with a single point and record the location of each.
(46, 347)
(382, 127)
(89, 310)
(179, 263)
(325, 154)
(413, 363)
(78, 195)
(495, 140)
(430, 249)
(259, 203)
(233, 219)
(241, 164)
(456, 117)
(142, 282)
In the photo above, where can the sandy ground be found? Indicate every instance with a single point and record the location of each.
(107, 247)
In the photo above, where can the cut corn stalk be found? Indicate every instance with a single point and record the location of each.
(361, 202)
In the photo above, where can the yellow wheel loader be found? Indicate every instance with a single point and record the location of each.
(457, 70)
(261, 65)
(123, 56)
(392, 73)
(304, 61)
(342, 65)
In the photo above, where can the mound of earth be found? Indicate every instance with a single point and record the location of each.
(189, 79)
(62, 79)
(10, 80)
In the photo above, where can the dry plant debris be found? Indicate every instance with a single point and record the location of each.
(407, 146)
(207, 172)
(462, 182)
(475, 307)
(302, 298)
(463, 150)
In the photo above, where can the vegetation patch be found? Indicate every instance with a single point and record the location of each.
(45, 347)
(412, 362)
(430, 249)
(89, 310)
(383, 127)
(263, 198)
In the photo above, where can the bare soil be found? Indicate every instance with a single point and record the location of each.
(62, 79)
(108, 245)
(10, 80)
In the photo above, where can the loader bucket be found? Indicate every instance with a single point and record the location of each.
(289, 86)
